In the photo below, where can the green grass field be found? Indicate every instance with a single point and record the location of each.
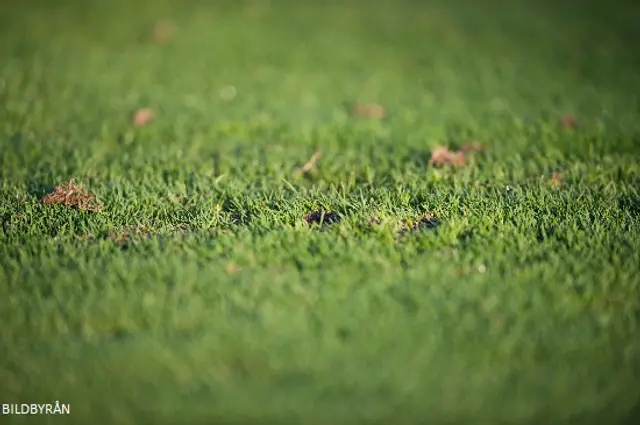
(199, 294)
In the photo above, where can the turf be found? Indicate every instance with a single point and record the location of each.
(196, 292)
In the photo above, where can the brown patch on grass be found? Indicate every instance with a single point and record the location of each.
(568, 121)
(557, 178)
(441, 156)
(72, 195)
(163, 31)
(143, 117)
(311, 162)
(369, 110)
(322, 217)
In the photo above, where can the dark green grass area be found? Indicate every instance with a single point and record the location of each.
(199, 294)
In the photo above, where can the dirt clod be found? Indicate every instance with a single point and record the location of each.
(143, 117)
(72, 195)
(442, 155)
(322, 217)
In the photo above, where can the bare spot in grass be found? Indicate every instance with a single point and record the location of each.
(143, 117)
(322, 217)
(74, 196)
(368, 110)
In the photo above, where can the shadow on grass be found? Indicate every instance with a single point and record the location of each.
(39, 189)
(630, 204)
(633, 417)
(417, 157)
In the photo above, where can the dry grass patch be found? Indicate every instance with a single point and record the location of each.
(72, 195)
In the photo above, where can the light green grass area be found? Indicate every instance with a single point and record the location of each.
(223, 306)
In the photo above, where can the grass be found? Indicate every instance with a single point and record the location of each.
(195, 291)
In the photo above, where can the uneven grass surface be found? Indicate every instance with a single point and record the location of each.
(194, 291)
